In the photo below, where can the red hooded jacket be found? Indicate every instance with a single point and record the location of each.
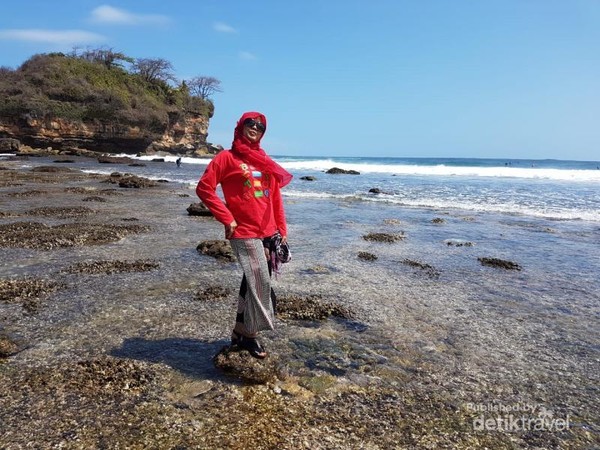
(251, 183)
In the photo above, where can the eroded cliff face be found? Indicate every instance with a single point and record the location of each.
(186, 135)
(183, 136)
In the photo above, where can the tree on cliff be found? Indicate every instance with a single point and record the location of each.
(153, 70)
(204, 87)
(108, 57)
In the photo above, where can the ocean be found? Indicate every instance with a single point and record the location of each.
(551, 189)
(541, 214)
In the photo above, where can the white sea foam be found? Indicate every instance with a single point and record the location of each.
(322, 165)
(169, 158)
(444, 170)
(568, 193)
(452, 204)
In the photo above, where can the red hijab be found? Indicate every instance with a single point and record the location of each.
(253, 154)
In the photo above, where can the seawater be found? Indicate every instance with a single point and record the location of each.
(545, 214)
(535, 329)
(549, 189)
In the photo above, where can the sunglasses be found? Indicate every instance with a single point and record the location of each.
(251, 123)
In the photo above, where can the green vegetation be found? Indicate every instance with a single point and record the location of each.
(95, 85)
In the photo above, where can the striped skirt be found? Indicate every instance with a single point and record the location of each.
(254, 305)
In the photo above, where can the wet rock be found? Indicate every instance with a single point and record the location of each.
(241, 364)
(318, 270)
(438, 220)
(366, 256)
(94, 198)
(7, 346)
(458, 243)
(428, 269)
(212, 293)
(217, 249)
(110, 192)
(28, 292)
(337, 170)
(43, 237)
(52, 169)
(499, 263)
(32, 193)
(133, 181)
(378, 191)
(78, 190)
(308, 178)
(104, 159)
(392, 221)
(384, 237)
(128, 180)
(42, 174)
(109, 267)
(61, 213)
(99, 378)
(9, 145)
(64, 161)
(198, 209)
(310, 307)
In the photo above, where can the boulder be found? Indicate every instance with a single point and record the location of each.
(198, 209)
(217, 249)
(105, 159)
(239, 363)
(384, 237)
(367, 256)
(9, 145)
(378, 191)
(499, 263)
(130, 181)
(337, 170)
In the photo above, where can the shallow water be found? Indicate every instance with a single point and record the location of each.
(480, 333)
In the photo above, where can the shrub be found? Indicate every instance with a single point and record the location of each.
(75, 87)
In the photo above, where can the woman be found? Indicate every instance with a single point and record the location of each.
(252, 214)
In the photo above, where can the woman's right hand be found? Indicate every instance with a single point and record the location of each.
(230, 229)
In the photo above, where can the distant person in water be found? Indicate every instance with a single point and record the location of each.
(178, 162)
(254, 218)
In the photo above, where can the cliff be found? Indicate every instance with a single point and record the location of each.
(184, 136)
(78, 102)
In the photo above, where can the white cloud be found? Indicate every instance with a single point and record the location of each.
(223, 28)
(61, 37)
(110, 15)
(248, 56)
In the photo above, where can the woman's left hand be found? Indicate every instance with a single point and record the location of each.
(284, 239)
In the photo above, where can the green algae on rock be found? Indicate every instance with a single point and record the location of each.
(384, 237)
(39, 236)
(109, 267)
(310, 307)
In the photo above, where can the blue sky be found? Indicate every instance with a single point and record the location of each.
(461, 78)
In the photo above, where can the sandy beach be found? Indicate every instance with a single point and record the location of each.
(113, 325)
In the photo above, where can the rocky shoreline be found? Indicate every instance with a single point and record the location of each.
(112, 337)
